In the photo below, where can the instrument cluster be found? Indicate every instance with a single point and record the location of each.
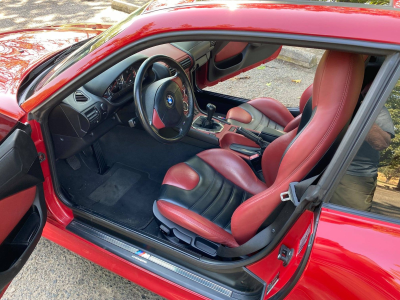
(121, 84)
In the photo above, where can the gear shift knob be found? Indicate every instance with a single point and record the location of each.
(210, 111)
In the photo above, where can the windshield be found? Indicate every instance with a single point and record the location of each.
(90, 46)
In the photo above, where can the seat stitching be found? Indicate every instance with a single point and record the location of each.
(244, 197)
(225, 204)
(228, 224)
(260, 125)
(208, 190)
(215, 199)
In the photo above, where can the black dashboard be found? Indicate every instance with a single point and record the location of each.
(90, 111)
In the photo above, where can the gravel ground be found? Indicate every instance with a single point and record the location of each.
(34, 13)
(53, 272)
(276, 79)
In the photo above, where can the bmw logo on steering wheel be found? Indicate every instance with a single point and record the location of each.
(170, 101)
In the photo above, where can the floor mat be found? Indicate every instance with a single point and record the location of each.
(115, 187)
(136, 148)
(123, 194)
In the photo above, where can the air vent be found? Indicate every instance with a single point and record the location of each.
(93, 115)
(184, 63)
(80, 97)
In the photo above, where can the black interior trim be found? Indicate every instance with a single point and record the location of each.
(221, 101)
(19, 164)
(40, 113)
(251, 54)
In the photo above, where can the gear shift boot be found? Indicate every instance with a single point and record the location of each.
(202, 121)
(206, 122)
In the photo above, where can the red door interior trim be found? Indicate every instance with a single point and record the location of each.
(13, 208)
(230, 50)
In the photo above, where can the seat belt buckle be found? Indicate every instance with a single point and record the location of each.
(290, 195)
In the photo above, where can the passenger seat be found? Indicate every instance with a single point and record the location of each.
(264, 112)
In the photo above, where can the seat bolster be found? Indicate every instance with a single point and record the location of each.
(196, 223)
(272, 109)
(182, 176)
(233, 168)
(293, 124)
(239, 114)
(305, 97)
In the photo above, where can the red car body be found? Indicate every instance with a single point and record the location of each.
(352, 257)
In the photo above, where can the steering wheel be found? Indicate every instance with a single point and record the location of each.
(166, 103)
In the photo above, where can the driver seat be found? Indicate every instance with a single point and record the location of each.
(216, 196)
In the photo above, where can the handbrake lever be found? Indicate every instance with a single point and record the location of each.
(253, 137)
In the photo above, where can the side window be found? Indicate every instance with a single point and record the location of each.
(284, 78)
(372, 181)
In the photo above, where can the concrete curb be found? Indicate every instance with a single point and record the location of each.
(298, 56)
(123, 6)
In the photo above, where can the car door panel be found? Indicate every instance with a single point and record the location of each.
(231, 58)
(230, 50)
(22, 206)
(353, 257)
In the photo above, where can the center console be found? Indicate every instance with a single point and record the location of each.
(215, 130)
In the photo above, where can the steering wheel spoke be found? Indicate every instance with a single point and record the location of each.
(168, 102)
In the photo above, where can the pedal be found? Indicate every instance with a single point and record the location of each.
(98, 154)
(133, 122)
(74, 162)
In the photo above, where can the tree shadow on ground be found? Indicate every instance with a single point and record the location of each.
(37, 13)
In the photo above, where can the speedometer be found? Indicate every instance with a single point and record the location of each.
(108, 94)
(130, 75)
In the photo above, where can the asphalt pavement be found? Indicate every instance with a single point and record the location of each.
(53, 272)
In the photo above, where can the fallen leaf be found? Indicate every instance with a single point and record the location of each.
(268, 83)
(261, 67)
(241, 77)
(296, 80)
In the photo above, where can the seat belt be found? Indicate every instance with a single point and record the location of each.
(297, 190)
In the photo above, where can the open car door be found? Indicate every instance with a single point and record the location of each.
(22, 206)
(227, 59)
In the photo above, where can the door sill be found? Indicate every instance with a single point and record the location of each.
(158, 265)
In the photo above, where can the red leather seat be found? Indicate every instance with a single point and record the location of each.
(260, 113)
(216, 195)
